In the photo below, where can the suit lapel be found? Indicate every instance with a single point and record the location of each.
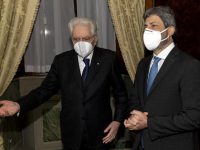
(75, 70)
(171, 58)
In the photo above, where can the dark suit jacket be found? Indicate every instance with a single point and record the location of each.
(89, 101)
(173, 103)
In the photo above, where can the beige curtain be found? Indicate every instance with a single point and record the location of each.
(16, 23)
(127, 16)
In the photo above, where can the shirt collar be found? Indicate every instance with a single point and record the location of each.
(163, 54)
(88, 57)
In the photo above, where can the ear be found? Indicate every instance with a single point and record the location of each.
(95, 41)
(171, 31)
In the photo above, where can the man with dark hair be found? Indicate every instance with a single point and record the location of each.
(165, 108)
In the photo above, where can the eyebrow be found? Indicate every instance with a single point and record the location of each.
(151, 23)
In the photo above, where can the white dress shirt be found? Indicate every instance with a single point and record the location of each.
(81, 63)
(163, 55)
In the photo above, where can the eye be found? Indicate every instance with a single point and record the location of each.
(76, 39)
(154, 25)
(86, 38)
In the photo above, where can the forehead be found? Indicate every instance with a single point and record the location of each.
(154, 19)
(81, 30)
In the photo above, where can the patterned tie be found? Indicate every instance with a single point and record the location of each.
(86, 69)
(152, 73)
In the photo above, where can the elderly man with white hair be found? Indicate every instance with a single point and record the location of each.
(85, 77)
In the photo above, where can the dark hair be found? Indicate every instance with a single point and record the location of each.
(165, 13)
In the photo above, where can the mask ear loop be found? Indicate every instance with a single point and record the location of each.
(166, 37)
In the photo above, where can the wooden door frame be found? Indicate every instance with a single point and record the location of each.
(149, 4)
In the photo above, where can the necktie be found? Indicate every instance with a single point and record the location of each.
(152, 73)
(86, 68)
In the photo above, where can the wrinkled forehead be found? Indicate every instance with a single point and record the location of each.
(153, 20)
(81, 30)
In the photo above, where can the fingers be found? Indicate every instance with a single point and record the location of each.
(2, 102)
(131, 125)
(112, 132)
(133, 120)
(8, 108)
(4, 112)
(108, 138)
(126, 123)
(107, 129)
(137, 120)
(136, 112)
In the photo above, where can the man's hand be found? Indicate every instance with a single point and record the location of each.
(111, 131)
(137, 120)
(8, 108)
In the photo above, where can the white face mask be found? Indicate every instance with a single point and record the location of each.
(152, 38)
(83, 48)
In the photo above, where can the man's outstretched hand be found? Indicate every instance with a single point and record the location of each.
(8, 108)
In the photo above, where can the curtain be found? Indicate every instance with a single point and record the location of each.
(16, 22)
(98, 10)
(50, 34)
(1, 143)
(127, 17)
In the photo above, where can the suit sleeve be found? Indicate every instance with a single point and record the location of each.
(48, 88)
(134, 102)
(119, 93)
(188, 119)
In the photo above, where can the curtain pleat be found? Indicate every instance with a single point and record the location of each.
(127, 17)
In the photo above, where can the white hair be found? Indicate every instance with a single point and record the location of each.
(82, 21)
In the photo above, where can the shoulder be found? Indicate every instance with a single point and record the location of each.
(145, 61)
(64, 58)
(106, 54)
(187, 60)
(65, 55)
(104, 51)
(184, 63)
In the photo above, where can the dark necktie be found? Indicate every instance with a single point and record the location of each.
(152, 73)
(86, 68)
